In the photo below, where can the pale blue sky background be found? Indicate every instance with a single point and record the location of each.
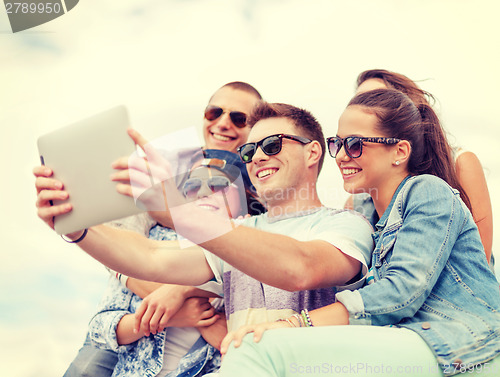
(163, 59)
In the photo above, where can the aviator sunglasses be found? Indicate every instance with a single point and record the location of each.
(270, 145)
(353, 145)
(238, 118)
(215, 184)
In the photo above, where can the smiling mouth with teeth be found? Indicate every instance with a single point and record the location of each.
(350, 171)
(221, 137)
(208, 207)
(266, 172)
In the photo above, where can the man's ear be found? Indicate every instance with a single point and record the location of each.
(314, 152)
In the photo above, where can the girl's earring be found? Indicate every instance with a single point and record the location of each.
(397, 163)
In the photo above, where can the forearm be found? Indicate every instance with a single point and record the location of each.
(197, 292)
(473, 181)
(125, 330)
(277, 260)
(142, 288)
(215, 333)
(233, 245)
(282, 261)
(162, 218)
(141, 258)
(334, 314)
(121, 250)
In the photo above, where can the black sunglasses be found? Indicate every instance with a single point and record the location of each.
(270, 145)
(215, 184)
(353, 145)
(238, 118)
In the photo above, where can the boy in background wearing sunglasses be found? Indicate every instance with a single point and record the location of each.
(224, 127)
(271, 266)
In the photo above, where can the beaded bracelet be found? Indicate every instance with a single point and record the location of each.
(78, 239)
(305, 316)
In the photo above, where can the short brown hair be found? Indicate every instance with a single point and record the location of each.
(244, 87)
(302, 119)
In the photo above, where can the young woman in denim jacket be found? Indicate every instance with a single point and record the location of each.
(431, 283)
(468, 168)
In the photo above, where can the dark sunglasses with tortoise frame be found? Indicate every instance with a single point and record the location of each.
(353, 145)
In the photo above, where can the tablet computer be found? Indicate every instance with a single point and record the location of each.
(80, 156)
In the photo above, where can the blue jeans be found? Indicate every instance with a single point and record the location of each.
(92, 362)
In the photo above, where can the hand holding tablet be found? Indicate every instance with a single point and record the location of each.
(80, 156)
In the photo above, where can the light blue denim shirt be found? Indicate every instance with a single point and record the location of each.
(145, 356)
(430, 275)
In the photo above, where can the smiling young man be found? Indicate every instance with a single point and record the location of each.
(224, 123)
(272, 265)
(224, 126)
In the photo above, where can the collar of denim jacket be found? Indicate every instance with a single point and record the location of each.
(383, 220)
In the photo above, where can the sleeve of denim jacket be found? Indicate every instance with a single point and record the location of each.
(432, 217)
(113, 306)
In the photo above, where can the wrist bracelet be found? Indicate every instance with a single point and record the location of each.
(118, 276)
(299, 320)
(122, 278)
(287, 321)
(306, 318)
(78, 239)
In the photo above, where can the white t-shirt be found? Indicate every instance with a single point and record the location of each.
(178, 342)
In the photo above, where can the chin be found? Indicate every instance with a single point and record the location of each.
(352, 189)
(224, 145)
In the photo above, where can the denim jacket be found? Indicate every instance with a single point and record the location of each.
(145, 356)
(430, 275)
